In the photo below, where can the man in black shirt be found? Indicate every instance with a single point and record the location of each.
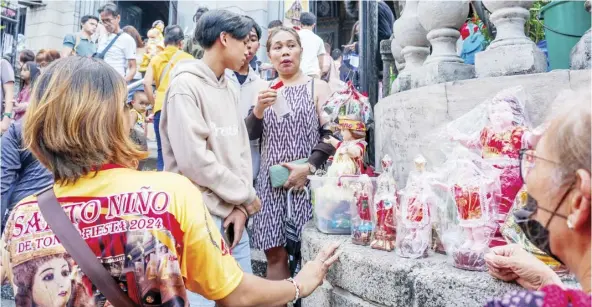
(385, 23)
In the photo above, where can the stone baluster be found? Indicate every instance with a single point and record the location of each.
(388, 62)
(412, 38)
(442, 19)
(580, 56)
(511, 52)
(399, 62)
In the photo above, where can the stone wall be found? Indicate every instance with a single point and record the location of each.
(403, 119)
(364, 277)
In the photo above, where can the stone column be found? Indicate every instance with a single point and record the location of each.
(369, 49)
(512, 52)
(412, 38)
(388, 62)
(580, 57)
(399, 63)
(442, 19)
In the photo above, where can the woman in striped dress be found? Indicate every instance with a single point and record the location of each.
(284, 140)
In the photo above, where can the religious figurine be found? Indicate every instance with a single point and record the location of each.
(414, 223)
(349, 154)
(362, 224)
(383, 237)
(500, 142)
(474, 191)
(154, 45)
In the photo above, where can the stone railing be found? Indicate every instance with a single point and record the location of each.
(435, 24)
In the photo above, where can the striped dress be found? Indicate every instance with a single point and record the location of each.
(284, 140)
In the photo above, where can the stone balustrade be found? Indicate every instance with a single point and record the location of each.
(426, 24)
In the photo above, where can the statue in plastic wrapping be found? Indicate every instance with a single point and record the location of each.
(513, 234)
(361, 220)
(384, 234)
(474, 188)
(500, 141)
(414, 228)
(154, 45)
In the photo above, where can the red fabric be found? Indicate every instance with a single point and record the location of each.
(464, 30)
(555, 296)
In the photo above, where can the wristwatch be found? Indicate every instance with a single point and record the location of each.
(7, 114)
(312, 169)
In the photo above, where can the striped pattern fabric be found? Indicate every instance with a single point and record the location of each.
(284, 140)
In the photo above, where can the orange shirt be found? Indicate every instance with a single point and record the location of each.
(151, 230)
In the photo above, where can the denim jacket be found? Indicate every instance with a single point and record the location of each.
(22, 174)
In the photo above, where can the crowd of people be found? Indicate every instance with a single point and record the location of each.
(73, 127)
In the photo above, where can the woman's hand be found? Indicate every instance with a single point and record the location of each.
(298, 174)
(512, 262)
(265, 99)
(313, 272)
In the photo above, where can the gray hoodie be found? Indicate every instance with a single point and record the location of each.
(204, 137)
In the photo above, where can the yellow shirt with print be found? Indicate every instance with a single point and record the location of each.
(158, 63)
(153, 224)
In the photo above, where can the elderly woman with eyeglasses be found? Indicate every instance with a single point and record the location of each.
(556, 218)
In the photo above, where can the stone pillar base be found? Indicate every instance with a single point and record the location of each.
(402, 83)
(507, 60)
(440, 72)
(581, 53)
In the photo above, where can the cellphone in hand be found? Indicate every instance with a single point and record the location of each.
(229, 234)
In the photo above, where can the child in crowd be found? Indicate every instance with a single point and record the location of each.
(29, 73)
(138, 136)
(139, 106)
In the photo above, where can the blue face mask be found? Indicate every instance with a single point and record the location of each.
(535, 232)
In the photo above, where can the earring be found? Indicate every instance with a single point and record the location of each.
(570, 224)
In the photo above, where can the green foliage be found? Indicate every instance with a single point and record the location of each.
(534, 27)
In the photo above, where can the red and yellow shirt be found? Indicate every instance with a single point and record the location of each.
(151, 230)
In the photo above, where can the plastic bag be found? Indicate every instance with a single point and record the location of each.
(362, 220)
(385, 205)
(414, 228)
(347, 102)
(332, 201)
(472, 185)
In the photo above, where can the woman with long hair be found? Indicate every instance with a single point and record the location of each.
(284, 140)
(29, 73)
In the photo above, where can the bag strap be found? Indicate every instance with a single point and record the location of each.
(104, 52)
(76, 44)
(166, 68)
(70, 238)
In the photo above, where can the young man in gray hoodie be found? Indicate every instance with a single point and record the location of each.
(203, 133)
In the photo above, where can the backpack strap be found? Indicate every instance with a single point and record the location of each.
(104, 52)
(168, 66)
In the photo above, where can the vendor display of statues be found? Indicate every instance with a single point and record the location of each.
(361, 210)
(414, 228)
(385, 201)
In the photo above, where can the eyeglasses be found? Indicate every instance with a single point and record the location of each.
(527, 162)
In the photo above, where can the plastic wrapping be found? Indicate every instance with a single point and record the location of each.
(496, 130)
(362, 220)
(385, 205)
(332, 202)
(414, 228)
(347, 102)
(472, 186)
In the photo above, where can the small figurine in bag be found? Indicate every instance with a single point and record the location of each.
(414, 224)
(349, 154)
(362, 224)
(154, 45)
(384, 234)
